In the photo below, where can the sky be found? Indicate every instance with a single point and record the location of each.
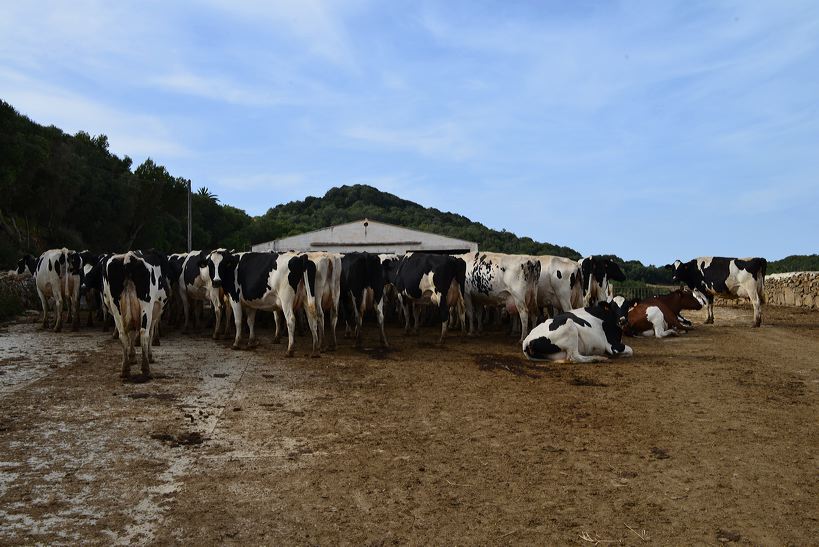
(653, 130)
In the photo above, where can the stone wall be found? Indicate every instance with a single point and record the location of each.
(799, 289)
(19, 289)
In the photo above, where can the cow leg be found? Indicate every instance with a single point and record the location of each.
(58, 312)
(333, 322)
(710, 306)
(313, 322)
(443, 315)
(379, 315)
(405, 306)
(252, 342)
(228, 312)
(279, 320)
(237, 321)
(217, 311)
(290, 318)
(186, 308)
(74, 302)
(757, 304)
(44, 302)
(416, 314)
(360, 306)
(523, 315)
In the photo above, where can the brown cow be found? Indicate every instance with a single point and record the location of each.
(661, 314)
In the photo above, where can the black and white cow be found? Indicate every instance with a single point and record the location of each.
(497, 279)
(93, 286)
(597, 273)
(585, 335)
(725, 277)
(57, 277)
(93, 298)
(430, 278)
(26, 265)
(193, 290)
(267, 281)
(135, 290)
(327, 292)
(219, 299)
(560, 285)
(362, 288)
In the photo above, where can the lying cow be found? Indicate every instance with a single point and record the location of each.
(584, 335)
(660, 315)
(135, 291)
(430, 278)
(362, 288)
(497, 279)
(266, 281)
(560, 285)
(56, 276)
(597, 273)
(725, 277)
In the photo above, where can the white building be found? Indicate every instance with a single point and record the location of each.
(371, 236)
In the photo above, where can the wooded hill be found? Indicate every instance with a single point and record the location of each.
(70, 190)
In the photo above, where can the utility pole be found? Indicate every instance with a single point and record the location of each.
(190, 243)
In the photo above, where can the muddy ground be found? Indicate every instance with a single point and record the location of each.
(704, 439)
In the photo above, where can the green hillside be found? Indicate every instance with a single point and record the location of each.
(70, 190)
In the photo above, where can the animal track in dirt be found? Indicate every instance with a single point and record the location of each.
(584, 381)
(184, 439)
(515, 365)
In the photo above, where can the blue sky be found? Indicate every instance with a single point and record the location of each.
(653, 130)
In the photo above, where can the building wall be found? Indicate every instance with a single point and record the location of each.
(375, 237)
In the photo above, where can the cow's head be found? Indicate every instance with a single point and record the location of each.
(218, 267)
(597, 273)
(26, 265)
(685, 272)
(688, 300)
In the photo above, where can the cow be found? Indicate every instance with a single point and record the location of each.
(135, 291)
(92, 284)
(430, 278)
(725, 277)
(392, 302)
(26, 265)
(560, 285)
(597, 272)
(174, 310)
(362, 288)
(56, 276)
(267, 281)
(660, 315)
(497, 279)
(585, 335)
(211, 285)
(93, 298)
(192, 287)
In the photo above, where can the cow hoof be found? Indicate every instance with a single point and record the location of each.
(235, 346)
(709, 321)
(315, 355)
(289, 353)
(277, 340)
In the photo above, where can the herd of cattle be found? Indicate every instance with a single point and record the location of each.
(586, 321)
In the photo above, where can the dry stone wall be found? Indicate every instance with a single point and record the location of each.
(799, 289)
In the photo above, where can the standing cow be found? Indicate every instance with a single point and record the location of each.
(560, 285)
(585, 335)
(135, 290)
(725, 277)
(597, 273)
(430, 278)
(497, 279)
(362, 288)
(327, 292)
(267, 281)
(57, 276)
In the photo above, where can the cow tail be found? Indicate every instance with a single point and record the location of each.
(64, 254)
(760, 282)
(576, 283)
(309, 284)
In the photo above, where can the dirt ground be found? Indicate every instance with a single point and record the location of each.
(703, 439)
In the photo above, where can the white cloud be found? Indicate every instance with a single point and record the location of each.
(445, 140)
